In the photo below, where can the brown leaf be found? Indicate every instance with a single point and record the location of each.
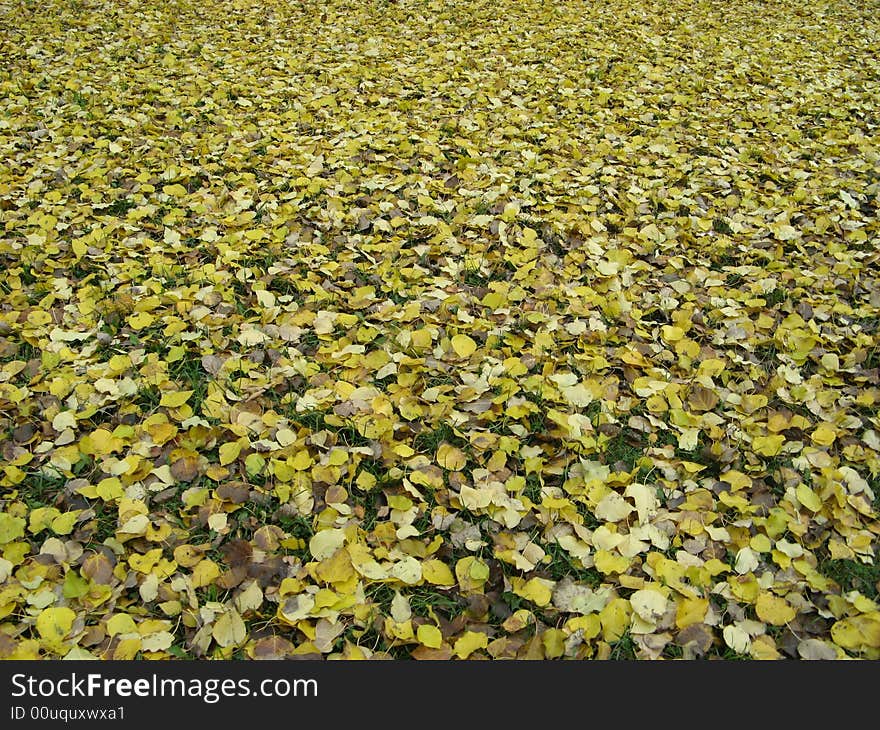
(212, 364)
(24, 433)
(267, 538)
(268, 571)
(8, 646)
(271, 648)
(651, 646)
(186, 469)
(425, 653)
(696, 640)
(816, 649)
(98, 568)
(232, 578)
(505, 647)
(702, 399)
(235, 492)
(237, 552)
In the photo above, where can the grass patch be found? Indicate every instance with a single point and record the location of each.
(622, 449)
(103, 524)
(563, 565)
(429, 440)
(775, 297)
(189, 372)
(312, 420)
(853, 575)
(425, 599)
(624, 649)
(533, 488)
(41, 490)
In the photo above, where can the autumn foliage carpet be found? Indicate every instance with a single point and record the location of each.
(423, 329)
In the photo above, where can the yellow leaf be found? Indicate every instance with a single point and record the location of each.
(537, 590)
(463, 345)
(338, 457)
(121, 623)
(11, 528)
(127, 649)
(745, 587)
(824, 435)
(158, 641)
(250, 599)
(285, 436)
(691, 611)
(229, 452)
(41, 517)
(63, 525)
(830, 361)
(53, 624)
(607, 562)
(265, 298)
(175, 399)
(65, 419)
(400, 608)
(430, 636)
(437, 573)
(109, 489)
(858, 633)
(162, 432)
(216, 473)
(205, 573)
(590, 625)
(450, 457)
(615, 619)
(768, 445)
(335, 569)
(737, 639)
(366, 481)
(229, 629)
(469, 642)
(773, 609)
(140, 320)
(177, 190)
(472, 573)
(217, 521)
(613, 508)
(736, 479)
(326, 542)
(764, 648)
(553, 641)
(135, 525)
(650, 605)
(100, 442)
(400, 629)
(187, 556)
(421, 339)
(408, 570)
(301, 461)
(671, 333)
(254, 464)
(808, 498)
(784, 231)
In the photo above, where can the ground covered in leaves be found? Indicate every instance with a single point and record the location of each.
(427, 329)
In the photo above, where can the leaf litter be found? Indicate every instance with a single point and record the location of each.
(439, 330)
